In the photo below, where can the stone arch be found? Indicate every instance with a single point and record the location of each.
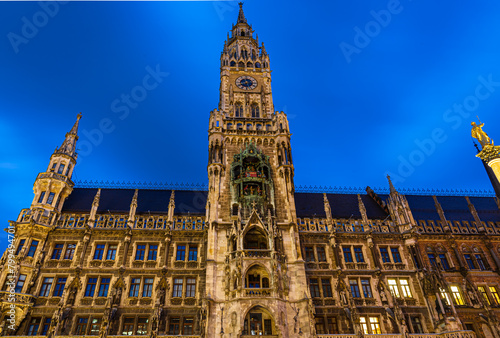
(259, 320)
(255, 237)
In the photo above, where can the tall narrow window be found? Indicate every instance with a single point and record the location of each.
(494, 294)
(405, 288)
(33, 326)
(332, 325)
(58, 291)
(142, 326)
(358, 253)
(152, 252)
(20, 246)
(193, 253)
(104, 287)
(374, 325)
(177, 287)
(42, 195)
(314, 287)
(385, 255)
(50, 199)
(470, 262)
(56, 254)
(32, 249)
(181, 253)
(70, 251)
(480, 262)
(393, 286)
(367, 290)
(417, 324)
(135, 284)
(457, 296)
(90, 289)
(99, 251)
(81, 326)
(191, 287)
(128, 326)
(238, 110)
(20, 283)
(444, 262)
(111, 254)
(320, 251)
(255, 110)
(327, 288)
(139, 254)
(320, 325)
(95, 326)
(347, 254)
(148, 287)
(174, 326)
(46, 285)
(309, 254)
(46, 326)
(483, 292)
(354, 288)
(187, 327)
(396, 257)
(61, 169)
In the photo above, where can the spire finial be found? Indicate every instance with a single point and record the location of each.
(241, 15)
(391, 186)
(68, 147)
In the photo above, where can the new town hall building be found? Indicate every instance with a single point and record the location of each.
(249, 256)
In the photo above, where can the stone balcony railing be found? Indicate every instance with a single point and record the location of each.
(257, 292)
(256, 253)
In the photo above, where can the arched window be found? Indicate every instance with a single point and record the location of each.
(255, 239)
(249, 64)
(268, 127)
(244, 53)
(239, 126)
(242, 33)
(241, 64)
(232, 64)
(258, 322)
(259, 126)
(255, 110)
(238, 110)
(257, 278)
(229, 126)
(249, 126)
(257, 65)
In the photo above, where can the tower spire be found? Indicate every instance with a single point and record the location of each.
(391, 186)
(241, 15)
(68, 147)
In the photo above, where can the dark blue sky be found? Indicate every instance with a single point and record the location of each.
(364, 91)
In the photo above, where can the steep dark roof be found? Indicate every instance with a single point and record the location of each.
(154, 201)
(342, 205)
(307, 204)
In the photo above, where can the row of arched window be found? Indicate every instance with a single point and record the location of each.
(249, 126)
(241, 64)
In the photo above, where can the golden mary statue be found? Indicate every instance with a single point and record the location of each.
(480, 135)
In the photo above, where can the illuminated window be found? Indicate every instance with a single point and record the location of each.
(393, 286)
(364, 326)
(405, 288)
(455, 291)
(375, 326)
(445, 297)
(494, 294)
(128, 326)
(482, 291)
(372, 328)
(95, 326)
(142, 326)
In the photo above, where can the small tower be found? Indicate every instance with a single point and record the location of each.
(54, 185)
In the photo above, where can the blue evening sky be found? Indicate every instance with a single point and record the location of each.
(366, 85)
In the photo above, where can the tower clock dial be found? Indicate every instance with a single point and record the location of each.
(246, 82)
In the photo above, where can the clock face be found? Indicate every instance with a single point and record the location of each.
(246, 82)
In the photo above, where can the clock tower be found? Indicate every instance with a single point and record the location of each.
(254, 261)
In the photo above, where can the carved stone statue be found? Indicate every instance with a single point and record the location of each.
(480, 135)
(71, 296)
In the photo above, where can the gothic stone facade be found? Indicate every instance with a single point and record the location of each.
(250, 256)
